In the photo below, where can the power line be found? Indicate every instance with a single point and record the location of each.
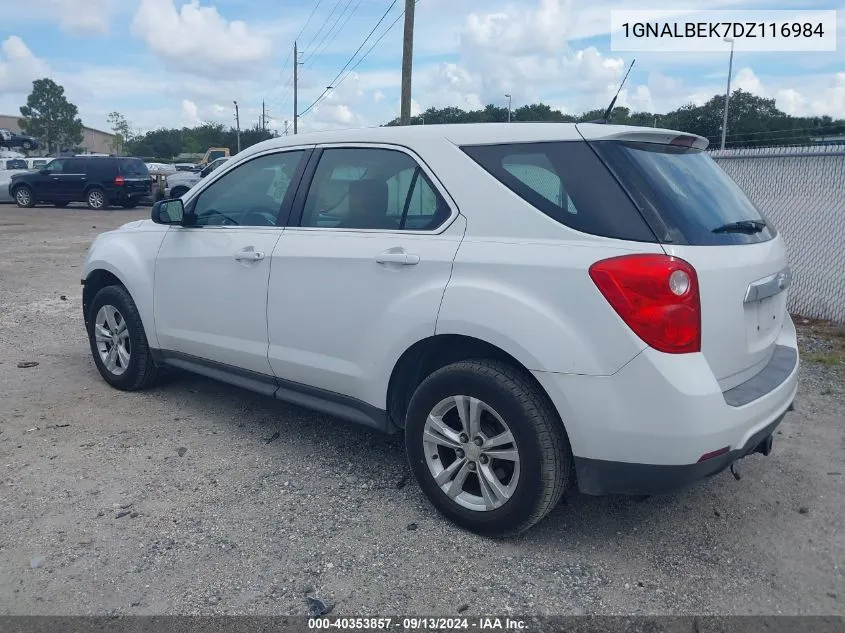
(332, 33)
(366, 39)
(290, 53)
(376, 43)
(320, 30)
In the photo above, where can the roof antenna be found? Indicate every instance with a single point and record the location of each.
(607, 113)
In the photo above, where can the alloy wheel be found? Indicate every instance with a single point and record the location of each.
(96, 199)
(111, 335)
(23, 197)
(471, 453)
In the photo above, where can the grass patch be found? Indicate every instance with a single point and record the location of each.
(830, 359)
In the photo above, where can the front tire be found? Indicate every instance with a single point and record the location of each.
(487, 447)
(118, 341)
(24, 197)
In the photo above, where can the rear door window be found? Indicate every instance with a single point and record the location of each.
(74, 166)
(566, 181)
(372, 189)
(687, 193)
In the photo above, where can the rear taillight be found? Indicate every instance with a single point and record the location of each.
(657, 297)
(120, 181)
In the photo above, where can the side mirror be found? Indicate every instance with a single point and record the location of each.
(168, 212)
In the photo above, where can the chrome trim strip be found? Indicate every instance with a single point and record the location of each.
(769, 286)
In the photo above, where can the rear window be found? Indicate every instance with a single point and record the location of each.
(133, 167)
(684, 194)
(568, 182)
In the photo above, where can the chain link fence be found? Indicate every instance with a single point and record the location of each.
(801, 190)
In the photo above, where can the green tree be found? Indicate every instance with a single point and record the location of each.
(122, 131)
(50, 117)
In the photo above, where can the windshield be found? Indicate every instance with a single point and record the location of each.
(685, 195)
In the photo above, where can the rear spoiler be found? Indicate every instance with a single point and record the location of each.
(601, 132)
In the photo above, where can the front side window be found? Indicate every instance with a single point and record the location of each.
(55, 166)
(252, 194)
(359, 188)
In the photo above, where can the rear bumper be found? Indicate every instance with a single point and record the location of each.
(643, 429)
(600, 477)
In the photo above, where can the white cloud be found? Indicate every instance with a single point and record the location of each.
(198, 39)
(19, 67)
(746, 80)
(190, 113)
(84, 17)
(519, 31)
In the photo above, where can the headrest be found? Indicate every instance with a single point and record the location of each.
(368, 197)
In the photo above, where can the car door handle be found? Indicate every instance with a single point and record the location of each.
(249, 256)
(397, 257)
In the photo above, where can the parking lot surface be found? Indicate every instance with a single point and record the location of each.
(197, 497)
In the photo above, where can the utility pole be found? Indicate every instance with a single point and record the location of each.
(509, 107)
(295, 87)
(286, 128)
(263, 117)
(238, 123)
(407, 63)
(728, 91)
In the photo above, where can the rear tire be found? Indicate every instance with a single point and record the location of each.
(531, 472)
(118, 341)
(96, 199)
(24, 197)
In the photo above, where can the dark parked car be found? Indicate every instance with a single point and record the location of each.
(99, 181)
(13, 139)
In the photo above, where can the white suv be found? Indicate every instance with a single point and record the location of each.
(535, 306)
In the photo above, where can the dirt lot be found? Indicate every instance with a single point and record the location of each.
(173, 501)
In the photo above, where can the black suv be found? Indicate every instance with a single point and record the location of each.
(99, 181)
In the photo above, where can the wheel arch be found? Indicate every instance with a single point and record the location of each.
(96, 280)
(428, 355)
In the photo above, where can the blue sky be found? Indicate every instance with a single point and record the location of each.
(180, 62)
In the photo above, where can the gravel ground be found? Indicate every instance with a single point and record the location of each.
(174, 501)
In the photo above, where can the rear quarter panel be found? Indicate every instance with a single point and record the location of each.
(520, 279)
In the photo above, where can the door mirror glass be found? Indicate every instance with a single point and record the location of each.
(168, 212)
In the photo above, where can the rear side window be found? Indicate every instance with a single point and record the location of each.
(687, 194)
(372, 189)
(133, 167)
(568, 182)
(16, 163)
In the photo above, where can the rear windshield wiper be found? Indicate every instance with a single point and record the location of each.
(742, 226)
